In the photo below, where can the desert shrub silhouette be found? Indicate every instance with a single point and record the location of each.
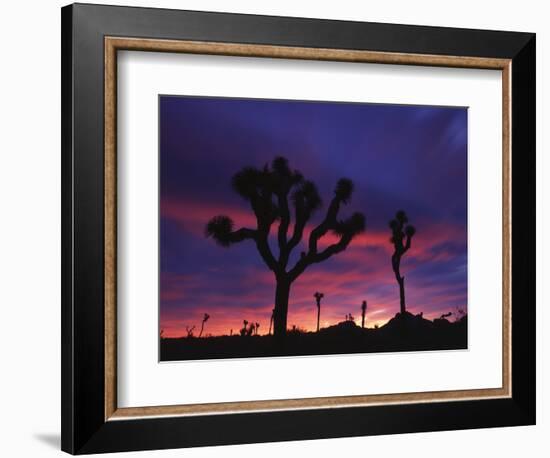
(400, 231)
(251, 329)
(244, 329)
(460, 314)
(271, 192)
(189, 331)
(297, 330)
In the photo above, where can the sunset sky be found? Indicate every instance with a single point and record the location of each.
(399, 157)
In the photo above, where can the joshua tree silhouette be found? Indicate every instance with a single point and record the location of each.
(257, 325)
(318, 296)
(363, 311)
(189, 330)
(244, 329)
(400, 231)
(268, 191)
(204, 320)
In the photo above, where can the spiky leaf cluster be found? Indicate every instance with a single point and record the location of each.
(272, 192)
(220, 228)
(402, 233)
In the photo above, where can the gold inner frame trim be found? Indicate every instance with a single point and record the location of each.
(114, 44)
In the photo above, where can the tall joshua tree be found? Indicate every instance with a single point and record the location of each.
(271, 192)
(204, 320)
(402, 234)
(363, 311)
(318, 296)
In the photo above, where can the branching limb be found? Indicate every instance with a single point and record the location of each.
(342, 194)
(220, 228)
(346, 229)
(284, 223)
(306, 201)
(265, 251)
(409, 232)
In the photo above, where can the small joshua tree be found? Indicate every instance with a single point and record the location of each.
(273, 192)
(401, 238)
(318, 296)
(256, 327)
(250, 329)
(244, 329)
(204, 320)
(189, 331)
(363, 312)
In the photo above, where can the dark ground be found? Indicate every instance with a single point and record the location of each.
(402, 333)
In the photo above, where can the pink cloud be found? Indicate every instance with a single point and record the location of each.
(194, 215)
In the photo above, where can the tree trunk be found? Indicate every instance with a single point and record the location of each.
(282, 292)
(401, 281)
(318, 316)
(363, 320)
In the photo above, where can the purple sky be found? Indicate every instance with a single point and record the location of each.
(399, 157)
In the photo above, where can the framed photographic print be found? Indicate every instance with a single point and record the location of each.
(281, 228)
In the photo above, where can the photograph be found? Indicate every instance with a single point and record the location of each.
(306, 227)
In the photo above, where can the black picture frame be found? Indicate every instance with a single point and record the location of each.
(84, 428)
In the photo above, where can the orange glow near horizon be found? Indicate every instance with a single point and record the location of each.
(368, 249)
